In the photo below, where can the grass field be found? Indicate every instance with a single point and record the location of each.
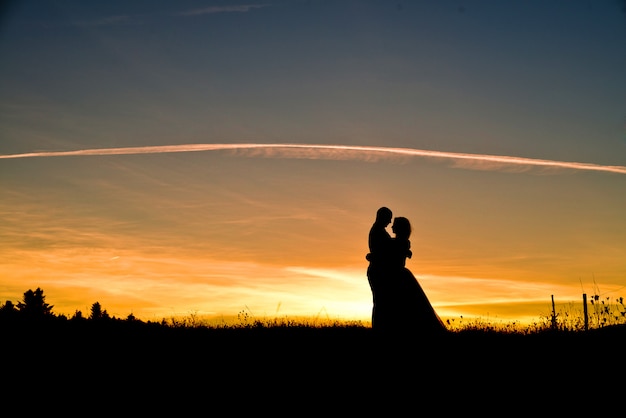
(136, 368)
(289, 367)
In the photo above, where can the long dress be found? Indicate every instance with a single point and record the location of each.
(413, 312)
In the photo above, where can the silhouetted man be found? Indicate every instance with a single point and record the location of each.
(379, 244)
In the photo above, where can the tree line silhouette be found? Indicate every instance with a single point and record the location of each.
(33, 307)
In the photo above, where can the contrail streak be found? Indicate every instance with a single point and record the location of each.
(342, 152)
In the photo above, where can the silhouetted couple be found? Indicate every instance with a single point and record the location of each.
(399, 302)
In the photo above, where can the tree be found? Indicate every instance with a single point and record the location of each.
(97, 312)
(78, 316)
(8, 310)
(34, 305)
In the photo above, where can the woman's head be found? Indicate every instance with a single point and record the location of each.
(401, 227)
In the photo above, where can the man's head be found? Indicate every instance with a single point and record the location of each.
(384, 215)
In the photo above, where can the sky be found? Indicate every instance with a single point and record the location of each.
(222, 158)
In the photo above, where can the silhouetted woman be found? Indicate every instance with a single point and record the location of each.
(412, 309)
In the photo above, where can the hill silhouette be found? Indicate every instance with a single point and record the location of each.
(297, 361)
(132, 367)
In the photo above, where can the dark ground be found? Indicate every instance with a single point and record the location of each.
(130, 369)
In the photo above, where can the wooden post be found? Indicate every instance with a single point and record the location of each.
(585, 311)
(553, 314)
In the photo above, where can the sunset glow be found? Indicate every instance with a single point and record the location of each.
(222, 159)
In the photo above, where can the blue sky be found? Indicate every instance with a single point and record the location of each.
(540, 79)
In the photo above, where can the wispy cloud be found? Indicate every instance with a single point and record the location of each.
(106, 21)
(339, 152)
(135, 19)
(244, 8)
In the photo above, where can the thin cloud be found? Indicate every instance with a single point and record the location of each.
(106, 21)
(134, 19)
(339, 152)
(244, 8)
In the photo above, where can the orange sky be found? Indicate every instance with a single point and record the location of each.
(216, 234)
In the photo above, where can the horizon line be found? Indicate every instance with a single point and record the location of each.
(321, 151)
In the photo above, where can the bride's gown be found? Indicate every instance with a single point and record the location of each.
(413, 311)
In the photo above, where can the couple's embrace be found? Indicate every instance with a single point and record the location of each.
(399, 302)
